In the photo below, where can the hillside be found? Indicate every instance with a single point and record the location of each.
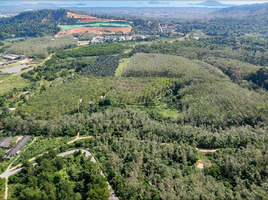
(242, 11)
(60, 22)
(32, 24)
(212, 3)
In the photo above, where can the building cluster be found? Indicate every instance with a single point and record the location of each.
(102, 39)
(5, 143)
(11, 57)
(169, 28)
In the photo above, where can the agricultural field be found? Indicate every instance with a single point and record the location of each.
(160, 65)
(67, 98)
(202, 97)
(41, 47)
(141, 90)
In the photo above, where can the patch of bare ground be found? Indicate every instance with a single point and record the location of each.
(206, 150)
(201, 164)
(96, 30)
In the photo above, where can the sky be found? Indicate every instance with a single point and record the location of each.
(128, 3)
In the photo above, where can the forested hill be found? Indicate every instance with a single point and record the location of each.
(32, 23)
(244, 10)
(229, 26)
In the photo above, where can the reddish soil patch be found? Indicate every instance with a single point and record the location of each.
(44, 20)
(96, 30)
(84, 18)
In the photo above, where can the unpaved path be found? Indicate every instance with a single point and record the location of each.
(32, 159)
(206, 150)
(6, 190)
(79, 138)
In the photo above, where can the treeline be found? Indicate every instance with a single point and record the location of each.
(92, 50)
(228, 26)
(120, 121)
(221, 47)
(81, 180)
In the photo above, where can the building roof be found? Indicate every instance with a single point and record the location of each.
(18, 146)
(5, 142)
(11, 56)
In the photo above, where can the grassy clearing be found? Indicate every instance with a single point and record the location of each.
(9, 82)
(121, 65)
(174, 114)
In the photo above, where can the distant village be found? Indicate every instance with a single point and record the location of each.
(102, 39)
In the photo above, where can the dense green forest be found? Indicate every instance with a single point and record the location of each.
(92, 50)
(228, 26)
(70, 177)
(29, 24)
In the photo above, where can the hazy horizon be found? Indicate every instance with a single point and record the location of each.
(127, 3)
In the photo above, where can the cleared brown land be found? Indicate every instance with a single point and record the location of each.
(96, 30)
(85, 18)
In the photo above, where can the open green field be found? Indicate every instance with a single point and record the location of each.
(9, 82)
(95, 24)
(120, 67)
